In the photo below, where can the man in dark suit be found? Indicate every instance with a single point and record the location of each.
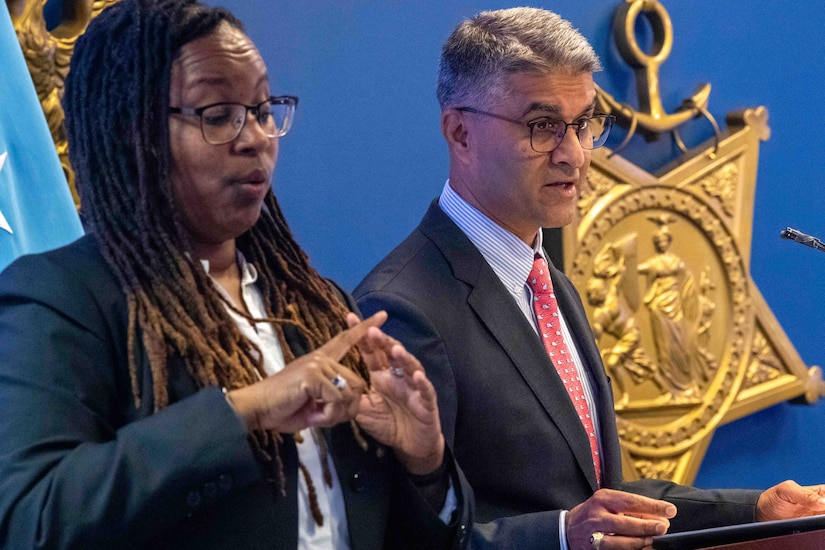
(517, 97)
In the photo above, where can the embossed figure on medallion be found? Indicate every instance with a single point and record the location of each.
(613, 314)
(676, 313)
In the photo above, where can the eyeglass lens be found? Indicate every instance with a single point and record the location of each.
(547, 134)
(223, 123)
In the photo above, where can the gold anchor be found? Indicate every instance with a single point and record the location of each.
(651, 118)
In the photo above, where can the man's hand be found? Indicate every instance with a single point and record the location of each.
(303, 395)
(790, 500)
(400, 410)
(629, 521)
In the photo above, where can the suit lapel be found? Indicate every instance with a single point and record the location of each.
(579, 328)
(577, 322)
(498, 312)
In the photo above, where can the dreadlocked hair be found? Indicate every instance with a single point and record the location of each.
(117, 103)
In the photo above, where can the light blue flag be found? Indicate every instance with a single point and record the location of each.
(36, 208)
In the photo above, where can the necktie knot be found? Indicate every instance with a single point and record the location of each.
(539, 278)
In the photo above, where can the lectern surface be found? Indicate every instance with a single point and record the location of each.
(706, 538)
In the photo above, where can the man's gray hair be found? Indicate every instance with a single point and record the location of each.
(483, 50)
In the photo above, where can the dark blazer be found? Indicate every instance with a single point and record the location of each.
(83, 466)
(504, 410)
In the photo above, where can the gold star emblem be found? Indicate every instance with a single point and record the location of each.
(663, 262)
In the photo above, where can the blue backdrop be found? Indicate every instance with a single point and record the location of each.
(365, 156)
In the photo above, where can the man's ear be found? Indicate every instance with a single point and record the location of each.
(454, 130)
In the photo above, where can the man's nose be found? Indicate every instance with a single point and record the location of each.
(569, 150)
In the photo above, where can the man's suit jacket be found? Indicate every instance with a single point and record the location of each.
(83, 466)
(504, 410)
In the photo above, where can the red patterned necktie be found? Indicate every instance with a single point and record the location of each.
(547, 318)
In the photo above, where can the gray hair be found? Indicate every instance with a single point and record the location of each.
(483, 50)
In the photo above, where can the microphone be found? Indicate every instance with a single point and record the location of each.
(802, 238)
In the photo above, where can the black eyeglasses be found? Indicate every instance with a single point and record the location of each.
(547, 133)
(223, 122)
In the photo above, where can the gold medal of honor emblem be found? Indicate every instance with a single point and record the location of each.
(662, 262)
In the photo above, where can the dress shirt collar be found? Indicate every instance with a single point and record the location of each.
(249, 275)
(510, 258)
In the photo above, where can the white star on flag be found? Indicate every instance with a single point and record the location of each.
(3, 223)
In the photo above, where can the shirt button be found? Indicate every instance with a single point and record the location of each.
(193, 499)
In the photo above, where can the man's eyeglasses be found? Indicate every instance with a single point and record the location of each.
(223, 122)
(547, 133)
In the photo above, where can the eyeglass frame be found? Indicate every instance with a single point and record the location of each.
(559, 137)
(288, 100)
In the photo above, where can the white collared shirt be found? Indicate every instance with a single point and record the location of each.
(335, 532)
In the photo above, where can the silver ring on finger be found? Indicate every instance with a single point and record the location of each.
(398, 372)
(339, 382)
(596, 540)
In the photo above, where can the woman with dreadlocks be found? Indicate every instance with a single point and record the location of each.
(181, 377)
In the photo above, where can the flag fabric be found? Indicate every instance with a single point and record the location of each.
(36, 208)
